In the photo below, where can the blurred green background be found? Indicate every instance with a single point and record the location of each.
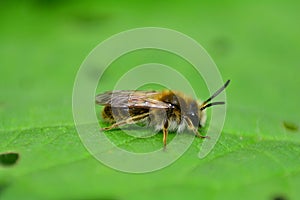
(255, 44)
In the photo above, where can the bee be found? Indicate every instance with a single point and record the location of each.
(163, 110)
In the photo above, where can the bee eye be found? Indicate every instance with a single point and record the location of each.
(193, 107)
(194, 118)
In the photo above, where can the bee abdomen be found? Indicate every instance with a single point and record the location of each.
(112, 115)
(107, 114)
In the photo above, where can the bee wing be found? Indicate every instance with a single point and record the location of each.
(130, 98)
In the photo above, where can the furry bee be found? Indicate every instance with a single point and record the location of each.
(163, 110)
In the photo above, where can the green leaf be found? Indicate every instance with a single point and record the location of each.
(255, 44)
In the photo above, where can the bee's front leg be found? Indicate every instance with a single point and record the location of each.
(197, 134)
(194, 129)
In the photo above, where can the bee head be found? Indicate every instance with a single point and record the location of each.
(193, 113)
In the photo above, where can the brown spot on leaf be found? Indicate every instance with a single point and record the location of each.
(290, 126)
(279, 197)
(8, 159)
(3, 186)
(221, 45)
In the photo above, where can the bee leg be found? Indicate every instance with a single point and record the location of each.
(197, 134)
(130, 120)
(195, 130)
(165, 132)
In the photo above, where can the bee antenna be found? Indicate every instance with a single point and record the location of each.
(212, 104)
(204, 104)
